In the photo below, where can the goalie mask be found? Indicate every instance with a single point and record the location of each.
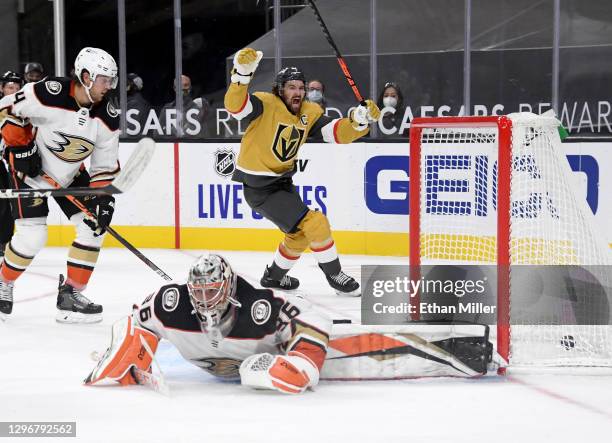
(212, 287)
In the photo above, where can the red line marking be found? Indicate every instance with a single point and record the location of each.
(177, 209)
(37, 297)
(560, 397)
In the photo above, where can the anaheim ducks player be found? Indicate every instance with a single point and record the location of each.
(278, 124)
(222, 324)
(10, 82)
(52, 126)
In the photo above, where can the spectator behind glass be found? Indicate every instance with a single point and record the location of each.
(391, 104)
(33, 72)
(195, 112)
(137, 106)
(10, 82)
(315, 92)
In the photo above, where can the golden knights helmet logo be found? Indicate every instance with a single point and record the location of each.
(71, 148)
(287, 141)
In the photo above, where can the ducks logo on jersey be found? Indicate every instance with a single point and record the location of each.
(71, 148)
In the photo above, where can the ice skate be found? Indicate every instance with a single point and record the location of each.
(344, 284)
(6, 298)
(74, 307)
(286, 283)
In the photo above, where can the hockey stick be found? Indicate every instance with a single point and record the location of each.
(157, 381)
(341, 62)
(126, 178)
(150, 380)
(111, 231)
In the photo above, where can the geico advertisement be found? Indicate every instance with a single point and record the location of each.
(360, 187)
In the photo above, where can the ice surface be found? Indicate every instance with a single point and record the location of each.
(43, 363)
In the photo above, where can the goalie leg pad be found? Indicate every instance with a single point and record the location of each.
(290, 374)
(125, 351)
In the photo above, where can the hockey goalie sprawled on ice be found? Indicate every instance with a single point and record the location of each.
(271, 340)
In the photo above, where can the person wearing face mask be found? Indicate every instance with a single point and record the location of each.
(137, 106)
(195, 111)
(391, 103)
(315, 92)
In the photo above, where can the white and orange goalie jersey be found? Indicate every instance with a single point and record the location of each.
(266, 322)
(278, 341)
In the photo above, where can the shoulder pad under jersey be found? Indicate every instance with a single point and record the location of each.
(174, 309)
(107, 112)
(56, 92)
(258, 313)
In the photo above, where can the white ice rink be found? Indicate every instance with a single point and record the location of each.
(43, 363)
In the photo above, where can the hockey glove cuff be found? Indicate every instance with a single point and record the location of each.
(24, 159)
(102, 208)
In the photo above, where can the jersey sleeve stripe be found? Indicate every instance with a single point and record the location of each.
(245, 110)
(330, 131)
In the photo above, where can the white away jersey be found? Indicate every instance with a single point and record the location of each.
(266, 322)
(67, 134)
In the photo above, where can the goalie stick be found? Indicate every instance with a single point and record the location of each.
(126, 178)
(341, 62)
(156, 382)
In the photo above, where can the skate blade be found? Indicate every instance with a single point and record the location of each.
(355, 293)
(77, 317)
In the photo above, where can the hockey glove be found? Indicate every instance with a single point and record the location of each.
(361, 116)
(245, 64)
(24, 159)
(290, 374)
(102, 208)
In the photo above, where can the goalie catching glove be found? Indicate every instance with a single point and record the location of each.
(245, 64)
(291, 374)
(362, 115)
(131, 346)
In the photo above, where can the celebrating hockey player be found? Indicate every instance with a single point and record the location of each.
(222, 324)
(278, 124)
(51, 127)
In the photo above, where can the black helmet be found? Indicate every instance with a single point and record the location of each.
(11, 77)
(33, 66)
(285, 75)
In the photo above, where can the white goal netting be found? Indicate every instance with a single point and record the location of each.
(559, 287)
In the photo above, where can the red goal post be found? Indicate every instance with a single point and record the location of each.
(529, 215)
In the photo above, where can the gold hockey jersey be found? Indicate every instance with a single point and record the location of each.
(274, 135)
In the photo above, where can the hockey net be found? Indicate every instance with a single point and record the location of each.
(499, 190)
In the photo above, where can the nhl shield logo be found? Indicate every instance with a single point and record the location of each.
(225, 162)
